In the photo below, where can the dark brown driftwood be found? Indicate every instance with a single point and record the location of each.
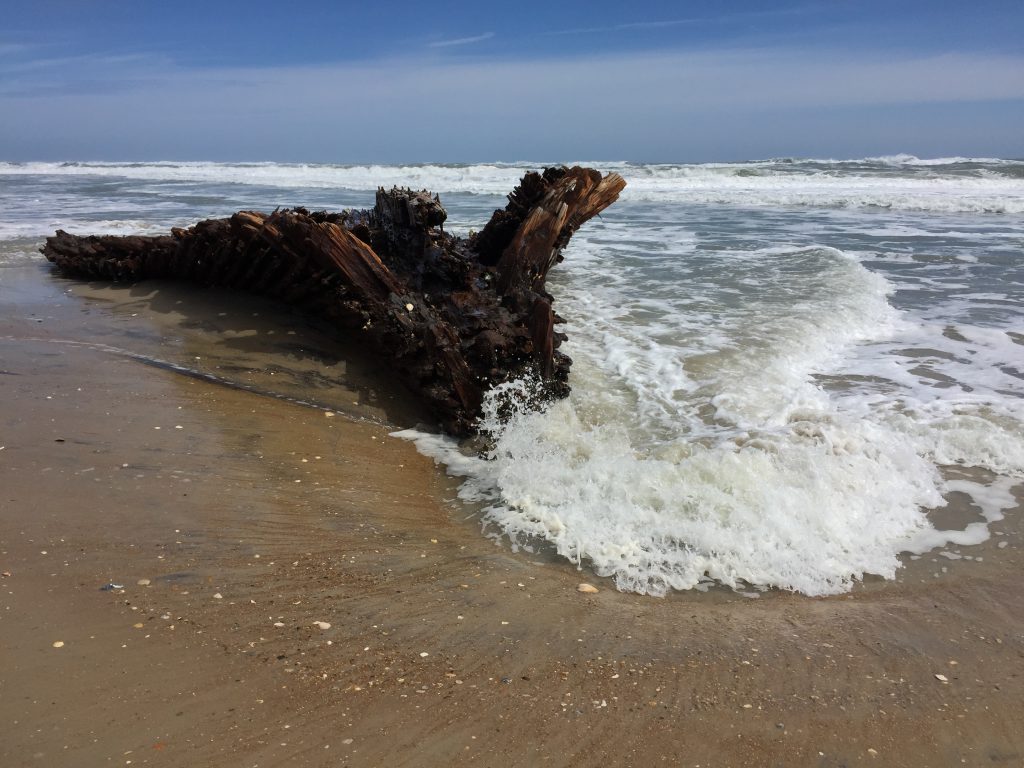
(451, 316)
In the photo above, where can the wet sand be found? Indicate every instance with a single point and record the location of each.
(148, 434)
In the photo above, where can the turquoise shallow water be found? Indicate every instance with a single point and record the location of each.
(778, 365)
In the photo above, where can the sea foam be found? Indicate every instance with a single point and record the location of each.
(758, 429)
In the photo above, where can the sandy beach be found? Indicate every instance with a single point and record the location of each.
(286, 584)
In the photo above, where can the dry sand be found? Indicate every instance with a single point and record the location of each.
(253, 518)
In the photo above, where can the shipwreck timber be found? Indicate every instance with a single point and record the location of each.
(451, 316)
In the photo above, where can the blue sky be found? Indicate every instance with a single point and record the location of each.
(472, 82)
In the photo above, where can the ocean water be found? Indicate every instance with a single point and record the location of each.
(784, 371)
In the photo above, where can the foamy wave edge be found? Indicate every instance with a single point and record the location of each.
(750, 184)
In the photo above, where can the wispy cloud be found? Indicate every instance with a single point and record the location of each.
(462, 40)
(86, 62)
(694, 20)
(11, 49)
(45, 77)
(623, 27)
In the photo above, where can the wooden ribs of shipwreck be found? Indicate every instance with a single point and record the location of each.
(451, 316)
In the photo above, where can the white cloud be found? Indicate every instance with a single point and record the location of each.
(462, 40)
(691, 20)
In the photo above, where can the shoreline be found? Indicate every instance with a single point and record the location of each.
(520, 669)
